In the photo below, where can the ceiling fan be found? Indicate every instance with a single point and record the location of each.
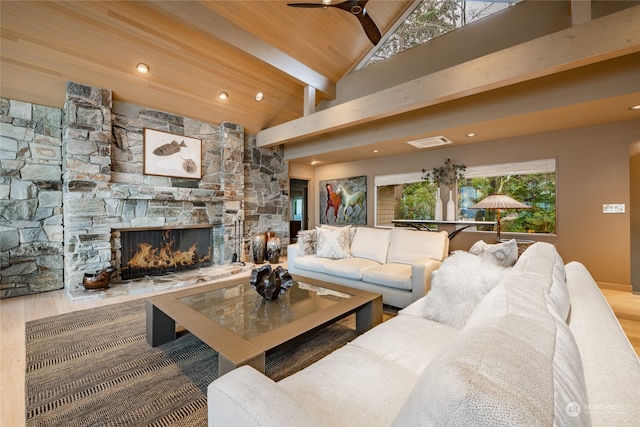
(355, 7)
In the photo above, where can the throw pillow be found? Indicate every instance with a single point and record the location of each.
(502, 254)
(457, 287)
(307, 241)
(333, 243)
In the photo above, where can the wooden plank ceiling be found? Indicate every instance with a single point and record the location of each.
(195, 50)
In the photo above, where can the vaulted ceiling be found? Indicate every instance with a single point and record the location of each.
(195, 50)
(584, 74)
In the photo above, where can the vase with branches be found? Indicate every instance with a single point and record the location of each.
(447, 174)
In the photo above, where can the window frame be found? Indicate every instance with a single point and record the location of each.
(539, 166)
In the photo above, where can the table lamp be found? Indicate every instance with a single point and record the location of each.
(497, 202)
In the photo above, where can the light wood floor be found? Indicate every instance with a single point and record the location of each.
(16, 312)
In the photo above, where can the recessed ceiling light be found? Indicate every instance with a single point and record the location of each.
(314, 162)
(471, 134)
(635, 107)
(142, 68)
(259, 96)
(223, 95)
(375, 151)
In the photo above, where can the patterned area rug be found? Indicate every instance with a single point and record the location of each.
(94, 367)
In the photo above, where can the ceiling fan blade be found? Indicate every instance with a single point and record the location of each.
(370, 27)
(309, 5)
(355, 7)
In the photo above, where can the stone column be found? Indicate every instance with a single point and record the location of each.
(86, 173)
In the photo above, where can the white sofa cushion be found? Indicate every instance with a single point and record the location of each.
(333, 243)
(350, 384)
(412, 342)
(351, 268)
(457, 287)
(234, 407)
(371, 243)
(407, 245)
(391, 275)
(310, 262)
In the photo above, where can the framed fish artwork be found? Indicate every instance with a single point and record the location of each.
(168, 154)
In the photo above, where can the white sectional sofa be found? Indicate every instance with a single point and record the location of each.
(541, 348)
(396, 263)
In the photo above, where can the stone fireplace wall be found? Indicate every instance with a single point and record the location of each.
(103, 188)
(31, 258)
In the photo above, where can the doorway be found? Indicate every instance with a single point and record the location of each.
(298, 207)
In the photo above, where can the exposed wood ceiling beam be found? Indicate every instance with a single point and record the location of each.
(598, 40)
(206, 20)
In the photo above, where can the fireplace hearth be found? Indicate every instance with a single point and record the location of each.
(163, 250)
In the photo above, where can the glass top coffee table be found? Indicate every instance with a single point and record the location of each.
(234, 320)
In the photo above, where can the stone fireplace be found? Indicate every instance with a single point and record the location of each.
(96, 172)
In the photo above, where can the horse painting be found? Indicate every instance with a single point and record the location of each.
(349, 203)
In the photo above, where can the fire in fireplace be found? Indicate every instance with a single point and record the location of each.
(157, 251)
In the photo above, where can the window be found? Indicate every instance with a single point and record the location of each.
(533, 183)
(433, 18)
(408, 196)
(404, 196)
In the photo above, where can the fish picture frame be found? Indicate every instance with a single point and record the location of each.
(169, 154)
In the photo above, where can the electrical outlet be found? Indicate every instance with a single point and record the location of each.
(613, 208)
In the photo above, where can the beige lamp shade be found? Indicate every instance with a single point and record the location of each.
(497, 202)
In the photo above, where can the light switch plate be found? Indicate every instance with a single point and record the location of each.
(613, 208)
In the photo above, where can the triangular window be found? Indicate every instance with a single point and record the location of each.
(430, 19)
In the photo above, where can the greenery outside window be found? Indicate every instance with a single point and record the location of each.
(431, 19)
(533, 183)
(403, 196)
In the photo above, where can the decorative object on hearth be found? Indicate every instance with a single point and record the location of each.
(269, 234)
(270, 283)
(273, 250)
(99, 279)
(497, 202)
(259, 248)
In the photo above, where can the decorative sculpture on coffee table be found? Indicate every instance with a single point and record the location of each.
(270, 284)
